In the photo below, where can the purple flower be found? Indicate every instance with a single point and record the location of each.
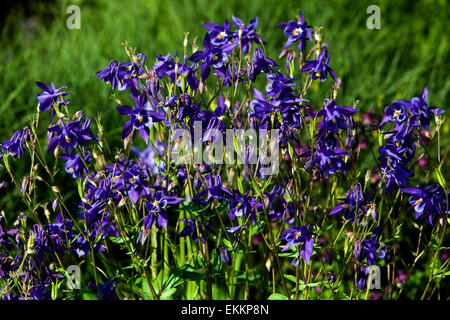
(393, 169)
(295, 236)
(117, 74)
(196, 230)
(224, 254)
(328, 157)
(370, 248)
(149, 155)
(156, 210)
(335, 118)
(297, 31)
(141, 118)
(245, 35)
(243, 206)
(319, 68)
(420, 110)
(214, 190)
(212, 56)
(428, 202)
(260, 63)
(353, 204)
(14, 146)
(74, 164)
(49, 96)
(219, 35)
(69, 135)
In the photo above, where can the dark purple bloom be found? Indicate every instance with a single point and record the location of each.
(74, 164)
(335, 118)
(328, 157)
(212, 56)
(352, 205)
(244, 206)
(224, 254)
(156, 210)
(370, 248)
(141, 118)
(117, 74)
(245, 35)
(420, 110)
(297, 31)
(295, 236)
(148, 157)
(219, 35)
(214, 190)
(14, 146)
(319, 68)
(196, 230)
(428, 202)
(69, 135)
(393, 169)
(49, 96)
(260, 63)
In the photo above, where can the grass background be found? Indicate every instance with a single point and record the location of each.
(409, 52)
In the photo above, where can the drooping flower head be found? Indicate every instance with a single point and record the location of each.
(319, 68)
(296, 236)
(14, 146)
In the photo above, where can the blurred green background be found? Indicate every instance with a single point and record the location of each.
(409, 52)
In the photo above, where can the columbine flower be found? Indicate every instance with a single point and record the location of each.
(396, 112)
(260, 106)
(117, 74)
(212, 56)
(243, 206)
(193, 228)
(260, 63)
(74, 164)
(156, 209)
(328, 157)
(420, 109)
(370, 248)
(69, 135)
(219, 35)
(334, 117)
(49, 96)
(299, 236)
(353, 204)
(141, 118)
(224, 254)
(319, 68)
(297, 31)
(214, 190)
(148, 157)
(14, 146)
(428, 202)
(393, 169)
(244, 35)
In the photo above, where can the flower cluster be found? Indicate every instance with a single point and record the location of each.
(140, 213)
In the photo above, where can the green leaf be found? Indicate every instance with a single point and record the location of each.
(277, 296)
(216, 262)
(188, 272)
(168, 293)
(440, 177)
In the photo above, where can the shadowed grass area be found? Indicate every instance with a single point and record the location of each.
(408, 53)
